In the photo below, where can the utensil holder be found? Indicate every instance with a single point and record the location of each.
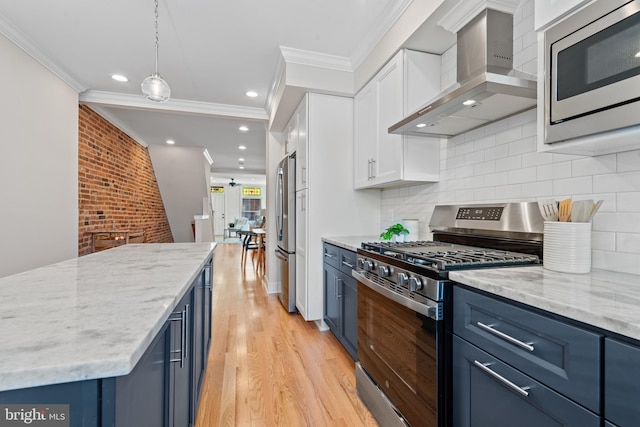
(567, 247)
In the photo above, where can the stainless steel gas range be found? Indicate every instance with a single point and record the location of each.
(404, 368)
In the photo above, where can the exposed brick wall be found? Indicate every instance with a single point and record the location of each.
(116, 184)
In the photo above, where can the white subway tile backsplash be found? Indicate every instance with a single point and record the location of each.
(628, 243)
(495, 127)
(568, 186)
(487, 141)
(538, 189)
(617, 183)
(594, 165)
(603, 240)
(484, 168)
(627, 202)
(528, 116)
(536, 159)
(496, 179)
(509, 192)
(617, 261)
(628, 161)
(497, 152)
(620, 222)
(508, 163)
(484, 194)
(509, 135)
(521, 146)
(519, 176)
(555, 170)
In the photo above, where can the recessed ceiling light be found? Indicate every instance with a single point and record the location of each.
(251, 94)
(241, 147)
(241, 167)
(170, 141)
(469, 102)
(241, 159)
(119, 78)
(243, 129)
(421, 125)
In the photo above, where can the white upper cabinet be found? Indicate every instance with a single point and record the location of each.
(547, 12)
(302, 153)
(409, 80)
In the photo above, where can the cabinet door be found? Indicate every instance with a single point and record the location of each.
(364, 136)
(388, 157)
(301, 252)
(485, 394)
(181, 353)
(350, 315)
(332, 298)
(621, 383)
(302, 151)
(140, 397)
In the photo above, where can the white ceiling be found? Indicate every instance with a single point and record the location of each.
(211, 53)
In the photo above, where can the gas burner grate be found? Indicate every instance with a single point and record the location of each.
(471, 258)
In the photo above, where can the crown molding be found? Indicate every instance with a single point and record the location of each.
(14, 35)
(276, 85)
(391, 14)
(315, 59)
(466, 10)
(120, 100)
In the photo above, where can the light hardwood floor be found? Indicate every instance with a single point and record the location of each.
(268, 367)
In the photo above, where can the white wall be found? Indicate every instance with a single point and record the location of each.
(180, 173)
(499, 162)
(38, 164)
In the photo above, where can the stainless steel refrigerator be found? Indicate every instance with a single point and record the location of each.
(286, 231)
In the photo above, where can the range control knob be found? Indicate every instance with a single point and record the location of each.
(415, 284)
(368, 265)
(383, 271)
(402, 279)
(360, 263)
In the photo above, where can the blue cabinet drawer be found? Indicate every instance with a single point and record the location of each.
(565, 358)
(331, 255)
(488, 392)
(347, 261)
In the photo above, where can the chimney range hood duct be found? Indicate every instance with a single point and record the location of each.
(488, 88)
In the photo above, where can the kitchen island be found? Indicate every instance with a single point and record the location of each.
(79, 332)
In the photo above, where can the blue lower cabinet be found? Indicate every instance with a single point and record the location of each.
(340, 310)
(82, 398)
(487, 392)
(622, 383)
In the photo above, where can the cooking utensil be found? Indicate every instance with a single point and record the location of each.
(549, 209)
(581, 210)
(564, 210)
(595, 209)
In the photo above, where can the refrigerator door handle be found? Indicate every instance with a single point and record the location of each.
(281, 255)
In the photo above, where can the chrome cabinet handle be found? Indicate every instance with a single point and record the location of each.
(485, 368)
(347, 264)
(338, 294)
(185, 328)
(328, 255)
(373, 170)
(180, 318)
(304, 175)
(512, 340)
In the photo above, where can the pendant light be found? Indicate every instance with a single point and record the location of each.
(154, 87)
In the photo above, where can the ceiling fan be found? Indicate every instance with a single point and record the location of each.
(232, 183)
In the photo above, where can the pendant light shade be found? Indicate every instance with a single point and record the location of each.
(154, 87)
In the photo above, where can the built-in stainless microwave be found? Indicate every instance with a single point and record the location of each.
(592, 71)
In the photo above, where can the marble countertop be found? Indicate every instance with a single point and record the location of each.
(351, 243)
(92, 316)
(605, 299)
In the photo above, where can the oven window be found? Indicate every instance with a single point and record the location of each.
(606, 57)
(398, 349)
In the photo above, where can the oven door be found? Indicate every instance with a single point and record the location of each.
(399, 349)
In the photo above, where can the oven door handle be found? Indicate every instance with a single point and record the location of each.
(431, 309)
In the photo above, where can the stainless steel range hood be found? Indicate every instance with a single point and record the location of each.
(488, 88)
